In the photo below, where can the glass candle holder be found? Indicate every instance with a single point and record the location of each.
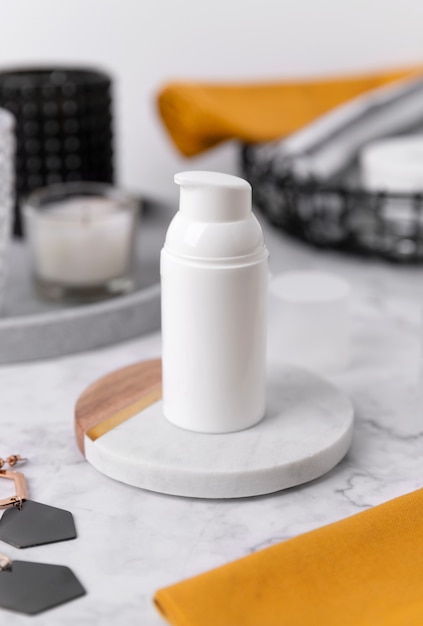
(81, 238)
(7, 153)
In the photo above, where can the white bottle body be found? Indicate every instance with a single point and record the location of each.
(214, 278)
(214, 344)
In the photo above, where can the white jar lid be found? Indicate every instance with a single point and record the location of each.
(394, 164)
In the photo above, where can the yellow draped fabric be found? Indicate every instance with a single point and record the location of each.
(201, 115)
(366, 570)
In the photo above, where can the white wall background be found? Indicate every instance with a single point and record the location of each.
(145, 43)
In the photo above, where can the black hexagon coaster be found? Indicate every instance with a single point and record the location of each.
(35, 587)
(36, 524)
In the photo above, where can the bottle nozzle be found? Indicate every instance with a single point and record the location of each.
(214, 197)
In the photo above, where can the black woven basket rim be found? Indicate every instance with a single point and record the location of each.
(314, 185)
(39, 76)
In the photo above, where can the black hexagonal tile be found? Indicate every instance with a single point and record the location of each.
(35, 587)
(36, 524)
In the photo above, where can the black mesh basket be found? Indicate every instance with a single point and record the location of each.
(340, 216)
(64, 126)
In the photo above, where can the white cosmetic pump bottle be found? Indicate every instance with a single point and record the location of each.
(214, 276)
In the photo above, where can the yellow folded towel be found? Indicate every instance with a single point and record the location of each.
(366, 570)
(200, 115)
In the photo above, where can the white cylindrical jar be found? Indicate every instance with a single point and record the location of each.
(214, 274)
(393, 165)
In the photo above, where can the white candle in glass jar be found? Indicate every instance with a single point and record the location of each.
(81, 241)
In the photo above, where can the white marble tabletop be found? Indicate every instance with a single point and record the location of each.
(132, 542)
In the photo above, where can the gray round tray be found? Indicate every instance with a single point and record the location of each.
(32, 328)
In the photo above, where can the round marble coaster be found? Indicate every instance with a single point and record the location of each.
(306, 431)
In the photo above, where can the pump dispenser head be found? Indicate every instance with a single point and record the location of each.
(214, 197)
(215, 221)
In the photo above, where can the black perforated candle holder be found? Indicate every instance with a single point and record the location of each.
(64, 126)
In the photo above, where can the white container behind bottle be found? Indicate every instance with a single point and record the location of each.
(214, 273)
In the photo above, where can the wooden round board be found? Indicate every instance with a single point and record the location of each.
(122, 432)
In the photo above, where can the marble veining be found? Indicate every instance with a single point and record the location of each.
(131, 542)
